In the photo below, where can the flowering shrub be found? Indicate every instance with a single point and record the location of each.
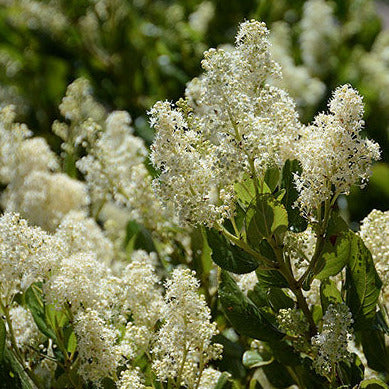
(225, 264)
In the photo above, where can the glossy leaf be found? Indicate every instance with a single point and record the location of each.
(228, 256)
(252, 358)
(278, 299)
(244, 316)
(266, 217)
(374, 348)
(372, 383)
(329, 294)
(296, 222)
(362, 284)
(35, 303)
(272, 177)
(337, 249)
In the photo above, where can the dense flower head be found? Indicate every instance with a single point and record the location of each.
(131, 379)
(82, 234)
(305, 89)
(184, 340)
(24, 327)
(11, 136)
(44, 198)
(233, 122)
(319, 33)
(79, 104)
(98, 353)
(332, 152)
(81, 282)
(27, 255)
(114, 169)
(143, 296)
(332, 342)
(375, 234)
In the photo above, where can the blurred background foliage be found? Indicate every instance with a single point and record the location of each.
(135, 52)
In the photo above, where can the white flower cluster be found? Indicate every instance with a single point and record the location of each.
(96, 344)
(131, 379)
(115, 318)
(11, 136)
(24, 327)
(332, 152)
(78, 106)
(294, 324)
(34, 187)
(183, 346)
(81, 233)
(296, 79)
(375, 234)
(332, 342)
(233, 122)
(114, 166)
(319, 33)
(27, 255)
(114, 169)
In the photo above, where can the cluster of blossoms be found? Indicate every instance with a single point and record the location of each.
(183, 347)
(319, 33)
(332, 153)
(113, 316)
(232, 123)
(296, 79)
(375, 234)
(332, 343)
(35, 188)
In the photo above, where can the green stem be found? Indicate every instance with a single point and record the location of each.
(244, 246)
(296, 289)
(233, 222)
(320, 240)
(15, 348)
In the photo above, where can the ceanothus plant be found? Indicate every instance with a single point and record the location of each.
(235, 161)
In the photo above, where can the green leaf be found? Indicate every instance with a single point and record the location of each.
(329, 294)
(278, 299)
(70, 339)
(350, 373)
(202, 253)
(335, 256)
(35, 303)
(374, 348)
(258, 295)
(252, 358)
(245, 191)
(244, 316)
(372, 383)
(138, 238)
(336, 250)
(362, 284)
(2, 339)
(228, 256)
(278, 375)
(284, 353)
(223, 380)
(265, 218)
(268, 278)
(19, 372)
(296, 222)
(272, 177)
